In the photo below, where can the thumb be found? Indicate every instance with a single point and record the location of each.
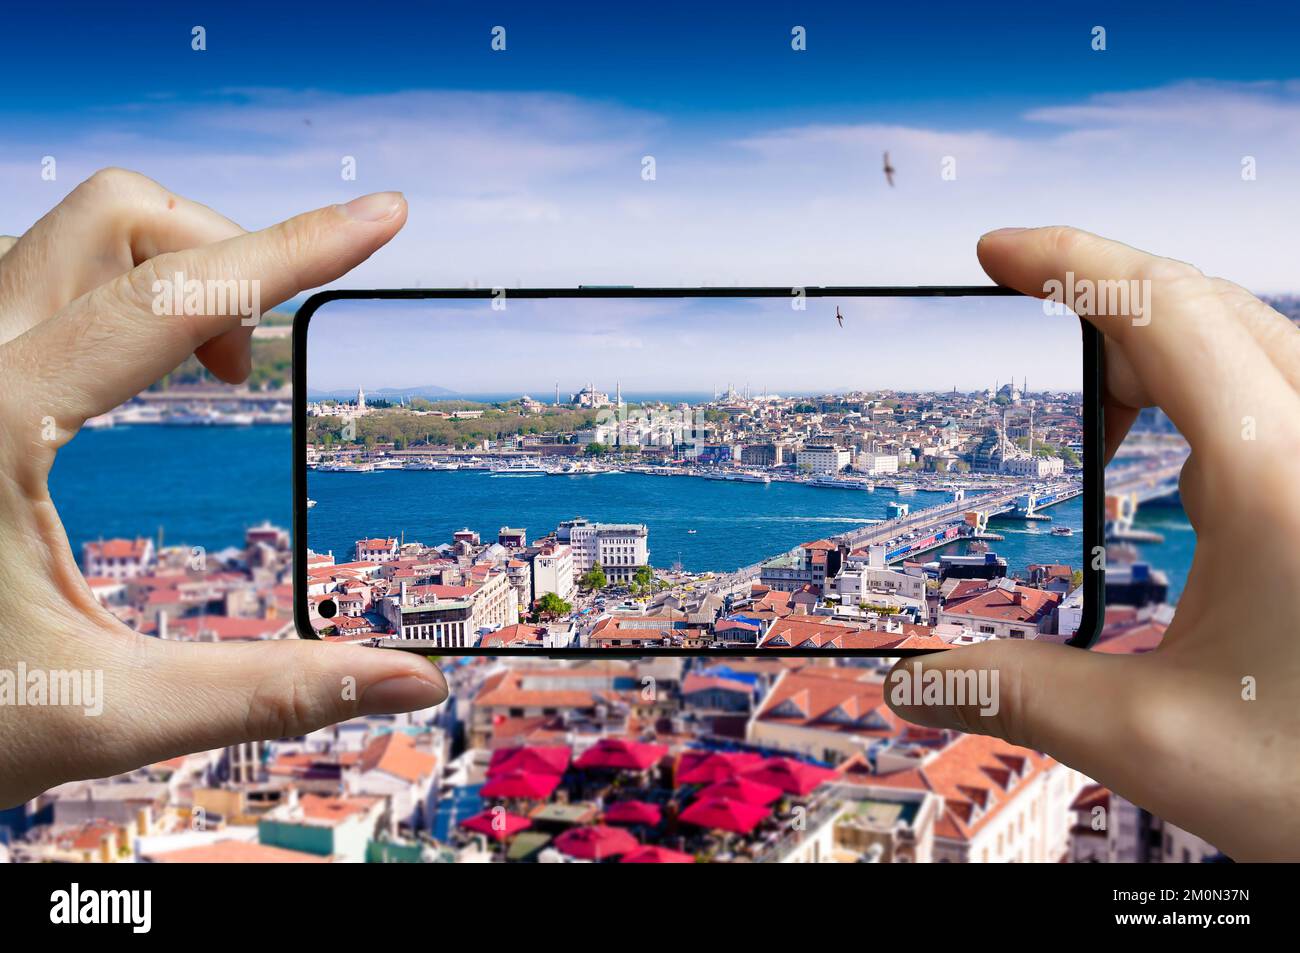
(203, 696)
(1056, 699)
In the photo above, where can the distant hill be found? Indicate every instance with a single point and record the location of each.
(422, 390)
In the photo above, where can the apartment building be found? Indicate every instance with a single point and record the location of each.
(1001, 610)
(376, 550)
(1002, 804)
(812, 564)
(823, 459)
(452, 616)
(619, 548)
(117, 559)
(553, 571)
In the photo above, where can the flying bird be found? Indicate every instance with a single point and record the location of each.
(839, 317)
(889, 171)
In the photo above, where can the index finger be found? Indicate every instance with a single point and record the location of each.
(110, 344)
(1194, 359)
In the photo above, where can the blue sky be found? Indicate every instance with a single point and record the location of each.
(699, 345)
(524, 167)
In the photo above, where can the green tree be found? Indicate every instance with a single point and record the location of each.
(643, 577)
(551, 606)
(594, 578)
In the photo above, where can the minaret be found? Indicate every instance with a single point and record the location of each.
(557, 393)
(618, 395)
(361, 400)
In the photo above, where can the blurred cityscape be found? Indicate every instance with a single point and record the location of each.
(655, 760)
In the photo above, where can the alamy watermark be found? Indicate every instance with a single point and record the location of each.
(916, 686)
(209, 296)
(38, 687)
(1119, 298)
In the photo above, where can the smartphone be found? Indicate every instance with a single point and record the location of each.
(841, 471)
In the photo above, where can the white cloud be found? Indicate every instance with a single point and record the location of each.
(543, 189)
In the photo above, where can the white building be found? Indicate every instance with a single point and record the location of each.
(823, 459)
(117, 558)
(553, 572)
(1037, 467)
(619, 548)
(857, 583)
(377, 550)
(875, 464)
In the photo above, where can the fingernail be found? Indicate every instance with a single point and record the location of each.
(376, 207)
(399, 694)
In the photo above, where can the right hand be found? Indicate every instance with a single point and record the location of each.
(1179, 731)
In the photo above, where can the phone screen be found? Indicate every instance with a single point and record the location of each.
(820, 472)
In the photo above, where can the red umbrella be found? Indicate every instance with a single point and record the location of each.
(724, 815)
(497, 824)
(657, 855)
(698, 767)
(621, 754)
(539, 759)
(595, 843)
(633, 812)
(521, 784)
(743, 790)
(791, 776)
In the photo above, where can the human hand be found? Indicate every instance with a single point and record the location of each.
(1178, 731)
(78, 335)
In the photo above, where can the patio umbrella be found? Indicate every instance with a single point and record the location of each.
(499, 825)
(633, 812)
(521, 784)
(698, 767)
(621, 754)
(744, 790)
(720, 814)
(539, 759)
(595, 843)
(793, 777)
(657, 855)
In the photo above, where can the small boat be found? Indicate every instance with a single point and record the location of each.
(690, 532)
(1062, 531)
(310, 503)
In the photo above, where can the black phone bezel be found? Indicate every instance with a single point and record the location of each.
(1093, 464)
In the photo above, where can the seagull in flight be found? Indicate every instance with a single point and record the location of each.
(839, 317)
(889, 171)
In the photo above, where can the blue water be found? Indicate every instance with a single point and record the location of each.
(205, 486)
(201, 485)
(736, 524)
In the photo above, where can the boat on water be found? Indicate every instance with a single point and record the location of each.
(518, 468)
(1062, 531)
(310, 503)
(691, 532)
(839, 483)
(389, 463)
(346, 468)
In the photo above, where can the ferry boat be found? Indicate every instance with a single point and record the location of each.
(838, 483)
(389, 463)
(346, 468)
(518, 468)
